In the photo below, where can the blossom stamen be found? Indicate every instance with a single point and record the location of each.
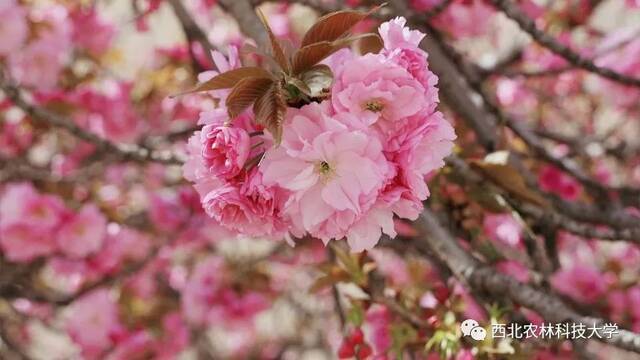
(373, 105)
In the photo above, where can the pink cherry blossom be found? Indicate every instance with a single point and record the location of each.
(624, 59)
(334, 174)
(108, 111)
(22, 243)
(224, 150)
(167, 212)
(207, 299)
(176, 337)
(462, 18)
(371, 89)
(83, 233)
(423, 151)
(22, 204)
(91, 31)
(503, 228)
(121, 245)
(131, 344)
(38, 64)
(581, 282)
(13, 28)
(247, 205)
(515, 269)
(391, 265)
(379, 321)
(401, 46)
(15, 137)
(92, 320)
(553, 180)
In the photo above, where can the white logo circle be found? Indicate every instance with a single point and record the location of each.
(471, 328)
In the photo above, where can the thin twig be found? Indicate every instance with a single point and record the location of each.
(192, 32)
(125, 152)
(497, 285)
(529, 26)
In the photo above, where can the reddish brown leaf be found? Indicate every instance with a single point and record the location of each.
(510, 179)
(245, 93)
(269, 110)
(229, 79)
(310, 55)
(371, 44)
(278, 52)
(333, 26)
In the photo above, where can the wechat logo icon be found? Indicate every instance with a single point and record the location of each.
(471, 328)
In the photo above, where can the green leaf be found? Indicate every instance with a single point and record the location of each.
(355, 315)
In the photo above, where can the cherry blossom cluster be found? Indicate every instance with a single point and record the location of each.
(34, 225)
(37, 41)
(346, 165)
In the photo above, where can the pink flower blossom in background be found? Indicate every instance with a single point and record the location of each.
(208, 299)
(621, 53)
(15, 137)
(514, 269)
(20, 203)
(463, 18)
(391, 265)
(21, 242)
(176, 337)
(167, 211)
(503, 228)
(553, 180)
(91, 31)
(83, 233)
(108, 111)
(38, 64)
(582, 283)
(633, 296)
(131, 344)
(13, 28)
(93, 320)
(379, 322)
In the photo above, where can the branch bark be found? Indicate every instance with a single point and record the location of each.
(529, 26)
(245, 15)
(125, 152)
(486, 279)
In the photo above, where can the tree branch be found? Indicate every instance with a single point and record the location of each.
(245, 15)
(192, 32)
(483, 278)
(125, 152)
(529, 26)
